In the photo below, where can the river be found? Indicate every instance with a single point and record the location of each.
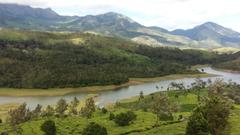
(106, 97)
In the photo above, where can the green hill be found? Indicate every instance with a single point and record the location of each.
(31, 59)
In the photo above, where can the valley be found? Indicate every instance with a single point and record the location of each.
(104, 73)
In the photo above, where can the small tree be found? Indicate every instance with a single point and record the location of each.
(89, 108)
(211, 117)
(61, 106)
(37, 111)
(217, 87)
(19, 115)
(141, 96)
(124, 119)
(217, 112)
(197, 124)
(49, 111)
(94, 129)
(161, 107)
(90, 104)
(48, 127)
(73, 106)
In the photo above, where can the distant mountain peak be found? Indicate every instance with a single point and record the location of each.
(22, 11)
(118, 16)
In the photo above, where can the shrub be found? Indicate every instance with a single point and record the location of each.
(48, 127)
(111, 116)
(4, 133)
(1, 121)
(124, 119)
(94, 129)
(104, 110)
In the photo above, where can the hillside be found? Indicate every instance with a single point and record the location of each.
(43, 60)
(208, 35)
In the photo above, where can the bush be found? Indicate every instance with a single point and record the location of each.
(48, 127)
(124, 119)
(1, 121)
(111, 116)
(94, 129)
(4, 133)
(104, 110)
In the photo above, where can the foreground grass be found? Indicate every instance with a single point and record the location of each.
(74, 125)
(63, 91)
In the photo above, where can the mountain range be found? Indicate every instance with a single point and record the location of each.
(208, 35)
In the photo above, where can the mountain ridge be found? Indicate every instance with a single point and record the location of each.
(207, 35)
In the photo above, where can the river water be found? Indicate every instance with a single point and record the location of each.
(107, 97)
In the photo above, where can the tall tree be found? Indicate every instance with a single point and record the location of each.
(61, 106)
(161, 107)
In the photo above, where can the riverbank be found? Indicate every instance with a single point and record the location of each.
(11, 92)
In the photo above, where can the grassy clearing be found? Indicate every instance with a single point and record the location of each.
(91, 89)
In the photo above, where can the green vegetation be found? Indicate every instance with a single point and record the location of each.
(49, 128)
(209, 110)
(94, 129)
(230, 62)
(45, 60)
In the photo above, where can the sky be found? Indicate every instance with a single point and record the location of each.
(169, 14)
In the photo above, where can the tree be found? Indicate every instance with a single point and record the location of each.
(124, 119)
(217, 87)
(19, 115)
(211, 117)
(37, 111)
(61, 106)
(89, 108)
(197, 124)
(49, 111)
(141, 96)
(94, 129)
(48, 127)
(90, 104)
(217, 112)
(161, 107)
(198, 85)
(73, 106)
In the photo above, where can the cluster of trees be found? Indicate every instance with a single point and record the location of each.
(63, 109)
(210, 117)
(47, 60)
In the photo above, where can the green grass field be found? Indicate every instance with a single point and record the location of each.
(143, 125)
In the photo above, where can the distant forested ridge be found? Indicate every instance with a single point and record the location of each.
(232, 62)
(44, 60)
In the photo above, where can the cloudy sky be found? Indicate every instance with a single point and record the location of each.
(169, 14)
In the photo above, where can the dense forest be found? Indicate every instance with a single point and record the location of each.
(232, 64)
(31, 59)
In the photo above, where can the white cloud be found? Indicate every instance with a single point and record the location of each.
(170, 14)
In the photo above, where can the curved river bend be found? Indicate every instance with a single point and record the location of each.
(106, 97)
